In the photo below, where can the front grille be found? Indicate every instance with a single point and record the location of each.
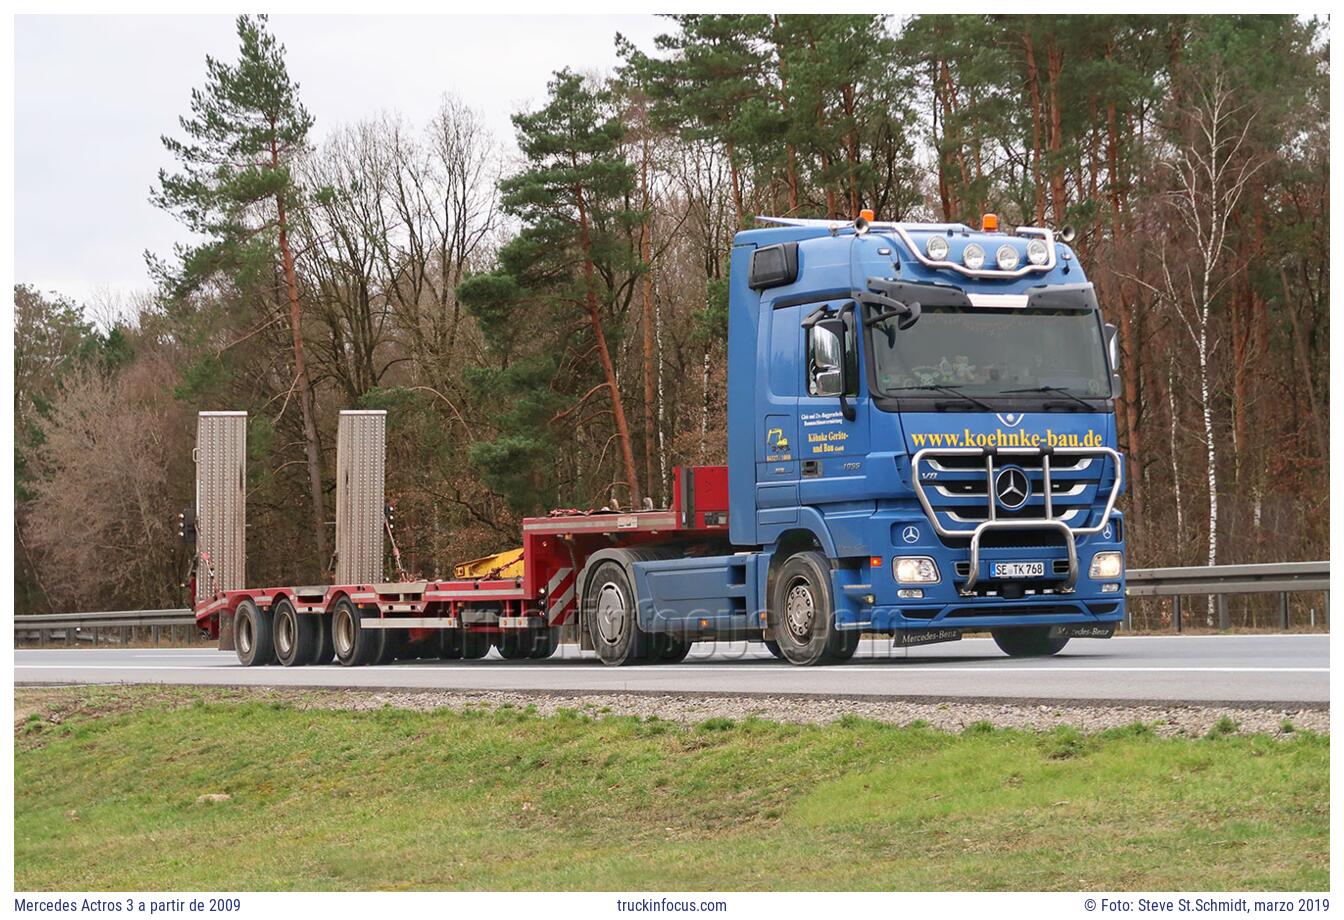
(958, 488)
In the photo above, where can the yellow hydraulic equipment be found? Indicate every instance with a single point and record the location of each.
(508, 564)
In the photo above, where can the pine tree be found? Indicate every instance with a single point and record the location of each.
(573, 199)
(236, 190)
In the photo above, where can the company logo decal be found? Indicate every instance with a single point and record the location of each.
(1001, 438)
(1011, 419)
(910, 534)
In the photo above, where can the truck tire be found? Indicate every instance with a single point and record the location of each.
(772, 647)
(1028, 641)
(450, 644)
(610, 616)
(665, 648)
(252, 635)
(296, 634)
(393, 646)
(547, 641)
(325, 650)
(802, 613)
(475, 645)
(514, 644)
(354, 645)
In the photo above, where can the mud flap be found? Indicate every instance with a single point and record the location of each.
(226, 631)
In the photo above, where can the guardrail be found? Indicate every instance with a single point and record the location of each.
(1218, 581)
(79, 626)
(1222, 581)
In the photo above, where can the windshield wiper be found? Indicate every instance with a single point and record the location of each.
(1062, 391)
(952, 389)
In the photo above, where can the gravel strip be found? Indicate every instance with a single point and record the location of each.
(54, 703)
(948, 716)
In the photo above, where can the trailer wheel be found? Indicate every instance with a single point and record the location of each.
(514, 644)
(353, 644)
(665, 648)
(1028, 641)
(296, 634)
(325, 651)
(475, 645)
(545, 644)
(450, 644)
(611, 617)
(252, 635)
(802, 614)
(393, 646)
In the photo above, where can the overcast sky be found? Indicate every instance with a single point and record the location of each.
(93, 94)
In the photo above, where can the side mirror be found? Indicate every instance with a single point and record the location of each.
(831, 377)
(1113, 355)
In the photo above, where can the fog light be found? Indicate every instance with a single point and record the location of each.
(910, 593)
(1106, 565)
(914, 570)
(1111, 588)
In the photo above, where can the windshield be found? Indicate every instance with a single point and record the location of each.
(991, 352)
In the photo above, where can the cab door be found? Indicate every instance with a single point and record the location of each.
(832, 449)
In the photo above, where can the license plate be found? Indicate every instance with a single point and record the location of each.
(1017, 570)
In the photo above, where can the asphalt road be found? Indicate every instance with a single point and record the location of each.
(1271, 670)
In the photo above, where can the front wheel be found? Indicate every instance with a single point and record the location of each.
(1028, 641)
(802, 613)
(611, 618)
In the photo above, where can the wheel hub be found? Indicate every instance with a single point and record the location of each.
(800, 609)
(284, 635)
(611, 613)
(344, 632)
(245, 635)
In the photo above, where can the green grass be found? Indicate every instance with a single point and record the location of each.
(324, 799)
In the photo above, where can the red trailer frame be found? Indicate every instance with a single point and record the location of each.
(555, 550)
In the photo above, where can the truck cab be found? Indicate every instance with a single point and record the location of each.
(921, 436)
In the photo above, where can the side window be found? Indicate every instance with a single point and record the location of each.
(823, 361)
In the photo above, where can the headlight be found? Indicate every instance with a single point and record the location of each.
(973, 256)
(1106, 565)
(1007, 258)
(1037, 253)
(915, 570)
(936, 247)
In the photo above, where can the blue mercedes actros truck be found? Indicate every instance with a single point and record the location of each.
(921, 443)
(921, 437)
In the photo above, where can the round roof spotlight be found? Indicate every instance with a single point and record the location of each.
(1007, 257)
(1037, 254)
(974, 257)
(936, 247)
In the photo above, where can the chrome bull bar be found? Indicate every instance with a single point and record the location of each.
(1048, 522)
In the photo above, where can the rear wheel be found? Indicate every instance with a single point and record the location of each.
(514, 644)
(665, 648)
(546, 642)
(457, 644)
(610, 616)
(325, 650)
(772, 647)
(354, 645)
(802, 614)
(252, 635)
(1028, 641)
(296, 634)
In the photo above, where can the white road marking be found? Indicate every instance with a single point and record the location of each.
(683, 669)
